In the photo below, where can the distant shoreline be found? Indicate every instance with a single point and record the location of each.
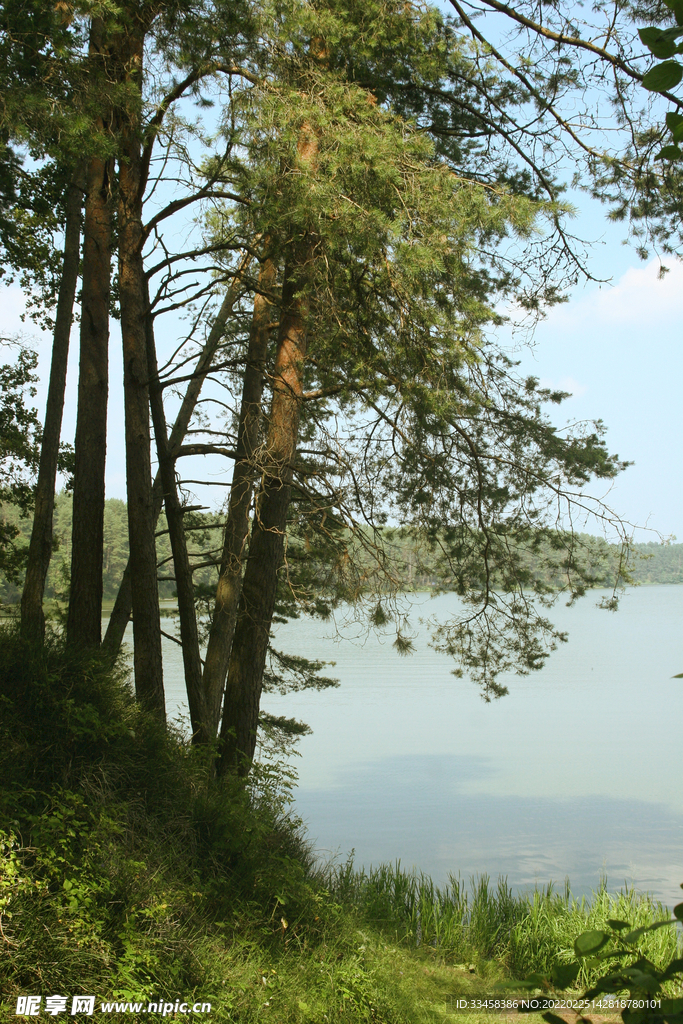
(10, 610)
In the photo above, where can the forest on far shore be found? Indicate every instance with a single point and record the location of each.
(652, 563)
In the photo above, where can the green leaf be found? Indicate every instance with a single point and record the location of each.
(657, 42)
(613, 954)
(677, 7)
(590, 942)
(669, 153)
(670, 1006)
(672, 33)
(677, 133)
(663, 77)
(564, 974)
(674, 968)
(630, 1016)
(532, 981)
(610, 983)
(680, 674)
(618, 925)
(678, 911)
(552, 1018)
(673, 120)
(642, 979)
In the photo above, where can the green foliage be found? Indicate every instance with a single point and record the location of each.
(412, 415)
(19, 454)
(660, 42)
(666, 75)
(20, 438)
(125, 868)
(663, 77)
(119, 841)
(41, 56)
(127, 871)
(19, 429)
(30, 250)
(115, 555)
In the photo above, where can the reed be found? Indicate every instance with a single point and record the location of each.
(484, 923)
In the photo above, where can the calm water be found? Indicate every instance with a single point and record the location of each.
(578, 772)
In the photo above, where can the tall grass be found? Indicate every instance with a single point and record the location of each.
(523, 933)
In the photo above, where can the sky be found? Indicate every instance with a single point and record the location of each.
(616, 346)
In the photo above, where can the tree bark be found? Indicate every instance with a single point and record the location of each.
(149, 685)
(241, 490)
(40, 547)
(120, 616)
(189, 636)
(250, 644)
(84, 620)
(244, 683)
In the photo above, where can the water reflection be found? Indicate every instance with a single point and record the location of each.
(415, 808)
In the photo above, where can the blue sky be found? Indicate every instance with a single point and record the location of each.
(618, 350)
(616, 346)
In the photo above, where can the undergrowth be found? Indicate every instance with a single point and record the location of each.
(129, 873)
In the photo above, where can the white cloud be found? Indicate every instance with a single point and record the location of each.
(639, 300)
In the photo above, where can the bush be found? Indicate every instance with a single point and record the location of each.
(121, 856)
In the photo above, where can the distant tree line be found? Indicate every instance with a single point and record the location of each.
(658, 563)
(115, 550)
(650, 563)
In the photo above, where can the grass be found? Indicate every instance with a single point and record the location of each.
(128, 873)
(489, 926)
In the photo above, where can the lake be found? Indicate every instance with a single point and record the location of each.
(576, 773)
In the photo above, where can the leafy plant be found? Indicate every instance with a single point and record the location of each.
(663, 44)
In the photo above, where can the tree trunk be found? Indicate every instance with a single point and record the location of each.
(84, 621)
(40, 548)
(250, 643)
(257, 601)
(241, 490)
(149, 685)
(120, 615)
(189, 637)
